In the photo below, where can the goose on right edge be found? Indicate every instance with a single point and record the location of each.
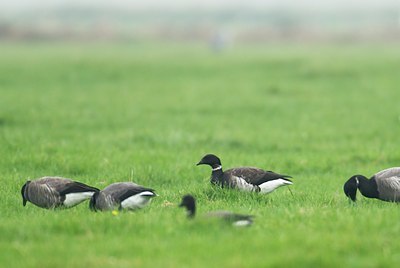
(249, 179)
(384, 185)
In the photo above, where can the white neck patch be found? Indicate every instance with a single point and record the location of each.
(217, 168)
(357, 182)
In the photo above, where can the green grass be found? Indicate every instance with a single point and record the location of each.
(148, 113)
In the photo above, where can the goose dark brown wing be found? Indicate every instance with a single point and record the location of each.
(132, 191)
(121, 190)
(65, 186)
(254, 175)
(75, 187)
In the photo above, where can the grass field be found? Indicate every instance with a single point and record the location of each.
(147, 113)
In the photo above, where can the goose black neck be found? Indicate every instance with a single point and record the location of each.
(368, 187)
(191, 212)
(189, 203)
(217, 171)
(24, 199)
(92, 203)
(191, 209)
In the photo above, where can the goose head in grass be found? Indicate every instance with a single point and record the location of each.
(384, 185)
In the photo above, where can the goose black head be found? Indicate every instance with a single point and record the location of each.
(92, 202)
(350, 187)
(24, 200)
(211, 160)
(189, 203)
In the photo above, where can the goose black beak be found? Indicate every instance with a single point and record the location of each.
(200, 163)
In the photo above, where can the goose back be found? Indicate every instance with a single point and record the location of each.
(122, 195)
(388, 184)
(254, 175)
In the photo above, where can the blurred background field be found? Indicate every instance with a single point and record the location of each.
(115, 92)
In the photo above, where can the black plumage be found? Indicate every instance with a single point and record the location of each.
(244, 178)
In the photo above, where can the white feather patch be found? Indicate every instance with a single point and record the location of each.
(241, 184)
(270, 186)
(139, 200)
(73, 199)
(242, 223)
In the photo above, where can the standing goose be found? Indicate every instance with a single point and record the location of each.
(244, 178)
(384, 185)
(121, 195)
(55, 192)
(189, 203)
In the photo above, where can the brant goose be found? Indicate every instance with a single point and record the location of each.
(189, 203)
(54, 192)
(244, 178)
(384, 185)
(121, 195)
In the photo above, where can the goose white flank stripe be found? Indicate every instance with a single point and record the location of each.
(270, 186)
(139, 200)
(75, 198)
(242, 185)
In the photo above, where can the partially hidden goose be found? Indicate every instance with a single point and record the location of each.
(384, 185)
(244, 178)
(189, 203)
(55, 192)
(121, 195)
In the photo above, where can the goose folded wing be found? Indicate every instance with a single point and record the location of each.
(387, 173)
(75, 187)
(389, 188)
(256, 176)
(128, 192)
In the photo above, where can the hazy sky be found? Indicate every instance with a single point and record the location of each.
(16, 5)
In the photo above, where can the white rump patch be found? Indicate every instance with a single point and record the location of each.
(242, 223)
(270, 186)
(74, 199)
(139, 200)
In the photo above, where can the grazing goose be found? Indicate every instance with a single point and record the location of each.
(54, 192)
(384, 185)
(121, 195)
(189, 203)
(244, 178)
